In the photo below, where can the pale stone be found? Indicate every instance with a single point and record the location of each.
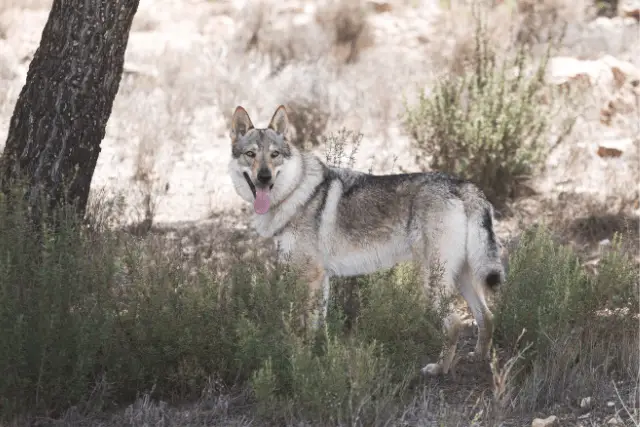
(551, 421)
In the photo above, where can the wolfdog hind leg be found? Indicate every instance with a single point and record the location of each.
(452, 323)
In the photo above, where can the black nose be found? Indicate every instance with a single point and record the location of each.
(264, 176)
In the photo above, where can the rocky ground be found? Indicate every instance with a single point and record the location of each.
(190, 62)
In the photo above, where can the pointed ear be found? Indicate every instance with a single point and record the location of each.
(279, 122)
(240, 123)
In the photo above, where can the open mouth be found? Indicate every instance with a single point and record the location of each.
(262, 196)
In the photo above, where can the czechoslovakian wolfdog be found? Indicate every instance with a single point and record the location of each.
(339, 222)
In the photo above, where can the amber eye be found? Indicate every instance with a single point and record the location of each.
(275, 154)
(250, 154)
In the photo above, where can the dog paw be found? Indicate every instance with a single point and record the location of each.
(432, 369)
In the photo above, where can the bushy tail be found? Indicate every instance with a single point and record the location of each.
(483, 249)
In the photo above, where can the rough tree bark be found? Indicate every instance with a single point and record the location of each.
(61, 114)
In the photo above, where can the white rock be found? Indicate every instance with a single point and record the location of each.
(603, 23)
(550, 421)
(614, 421)
(586, 402)
(605, 244)
(562, 69)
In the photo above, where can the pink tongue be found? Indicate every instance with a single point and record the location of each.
(262, 202)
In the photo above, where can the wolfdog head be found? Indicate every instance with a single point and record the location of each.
(264, 167)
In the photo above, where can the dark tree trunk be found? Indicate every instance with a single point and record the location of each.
(61, 114)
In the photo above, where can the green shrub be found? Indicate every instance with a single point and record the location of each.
(99, 317)
(178, 326)
(397, 314)
(350, 384)
(54, 287)
(81, 308)
(488, 125)
(357, 377)
(582, 329)
(96, 317)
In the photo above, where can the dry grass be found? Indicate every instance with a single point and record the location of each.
(588, 224)
(582, 221)
(337, 29)
(512, 23)
(540, 21)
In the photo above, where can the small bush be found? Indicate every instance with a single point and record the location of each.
(55, 310)
(397, 313)
(80, 308)
(92, 318)
(582, 329)
(341, 148)
(350, 384)
(488, 125)
(358, 376)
